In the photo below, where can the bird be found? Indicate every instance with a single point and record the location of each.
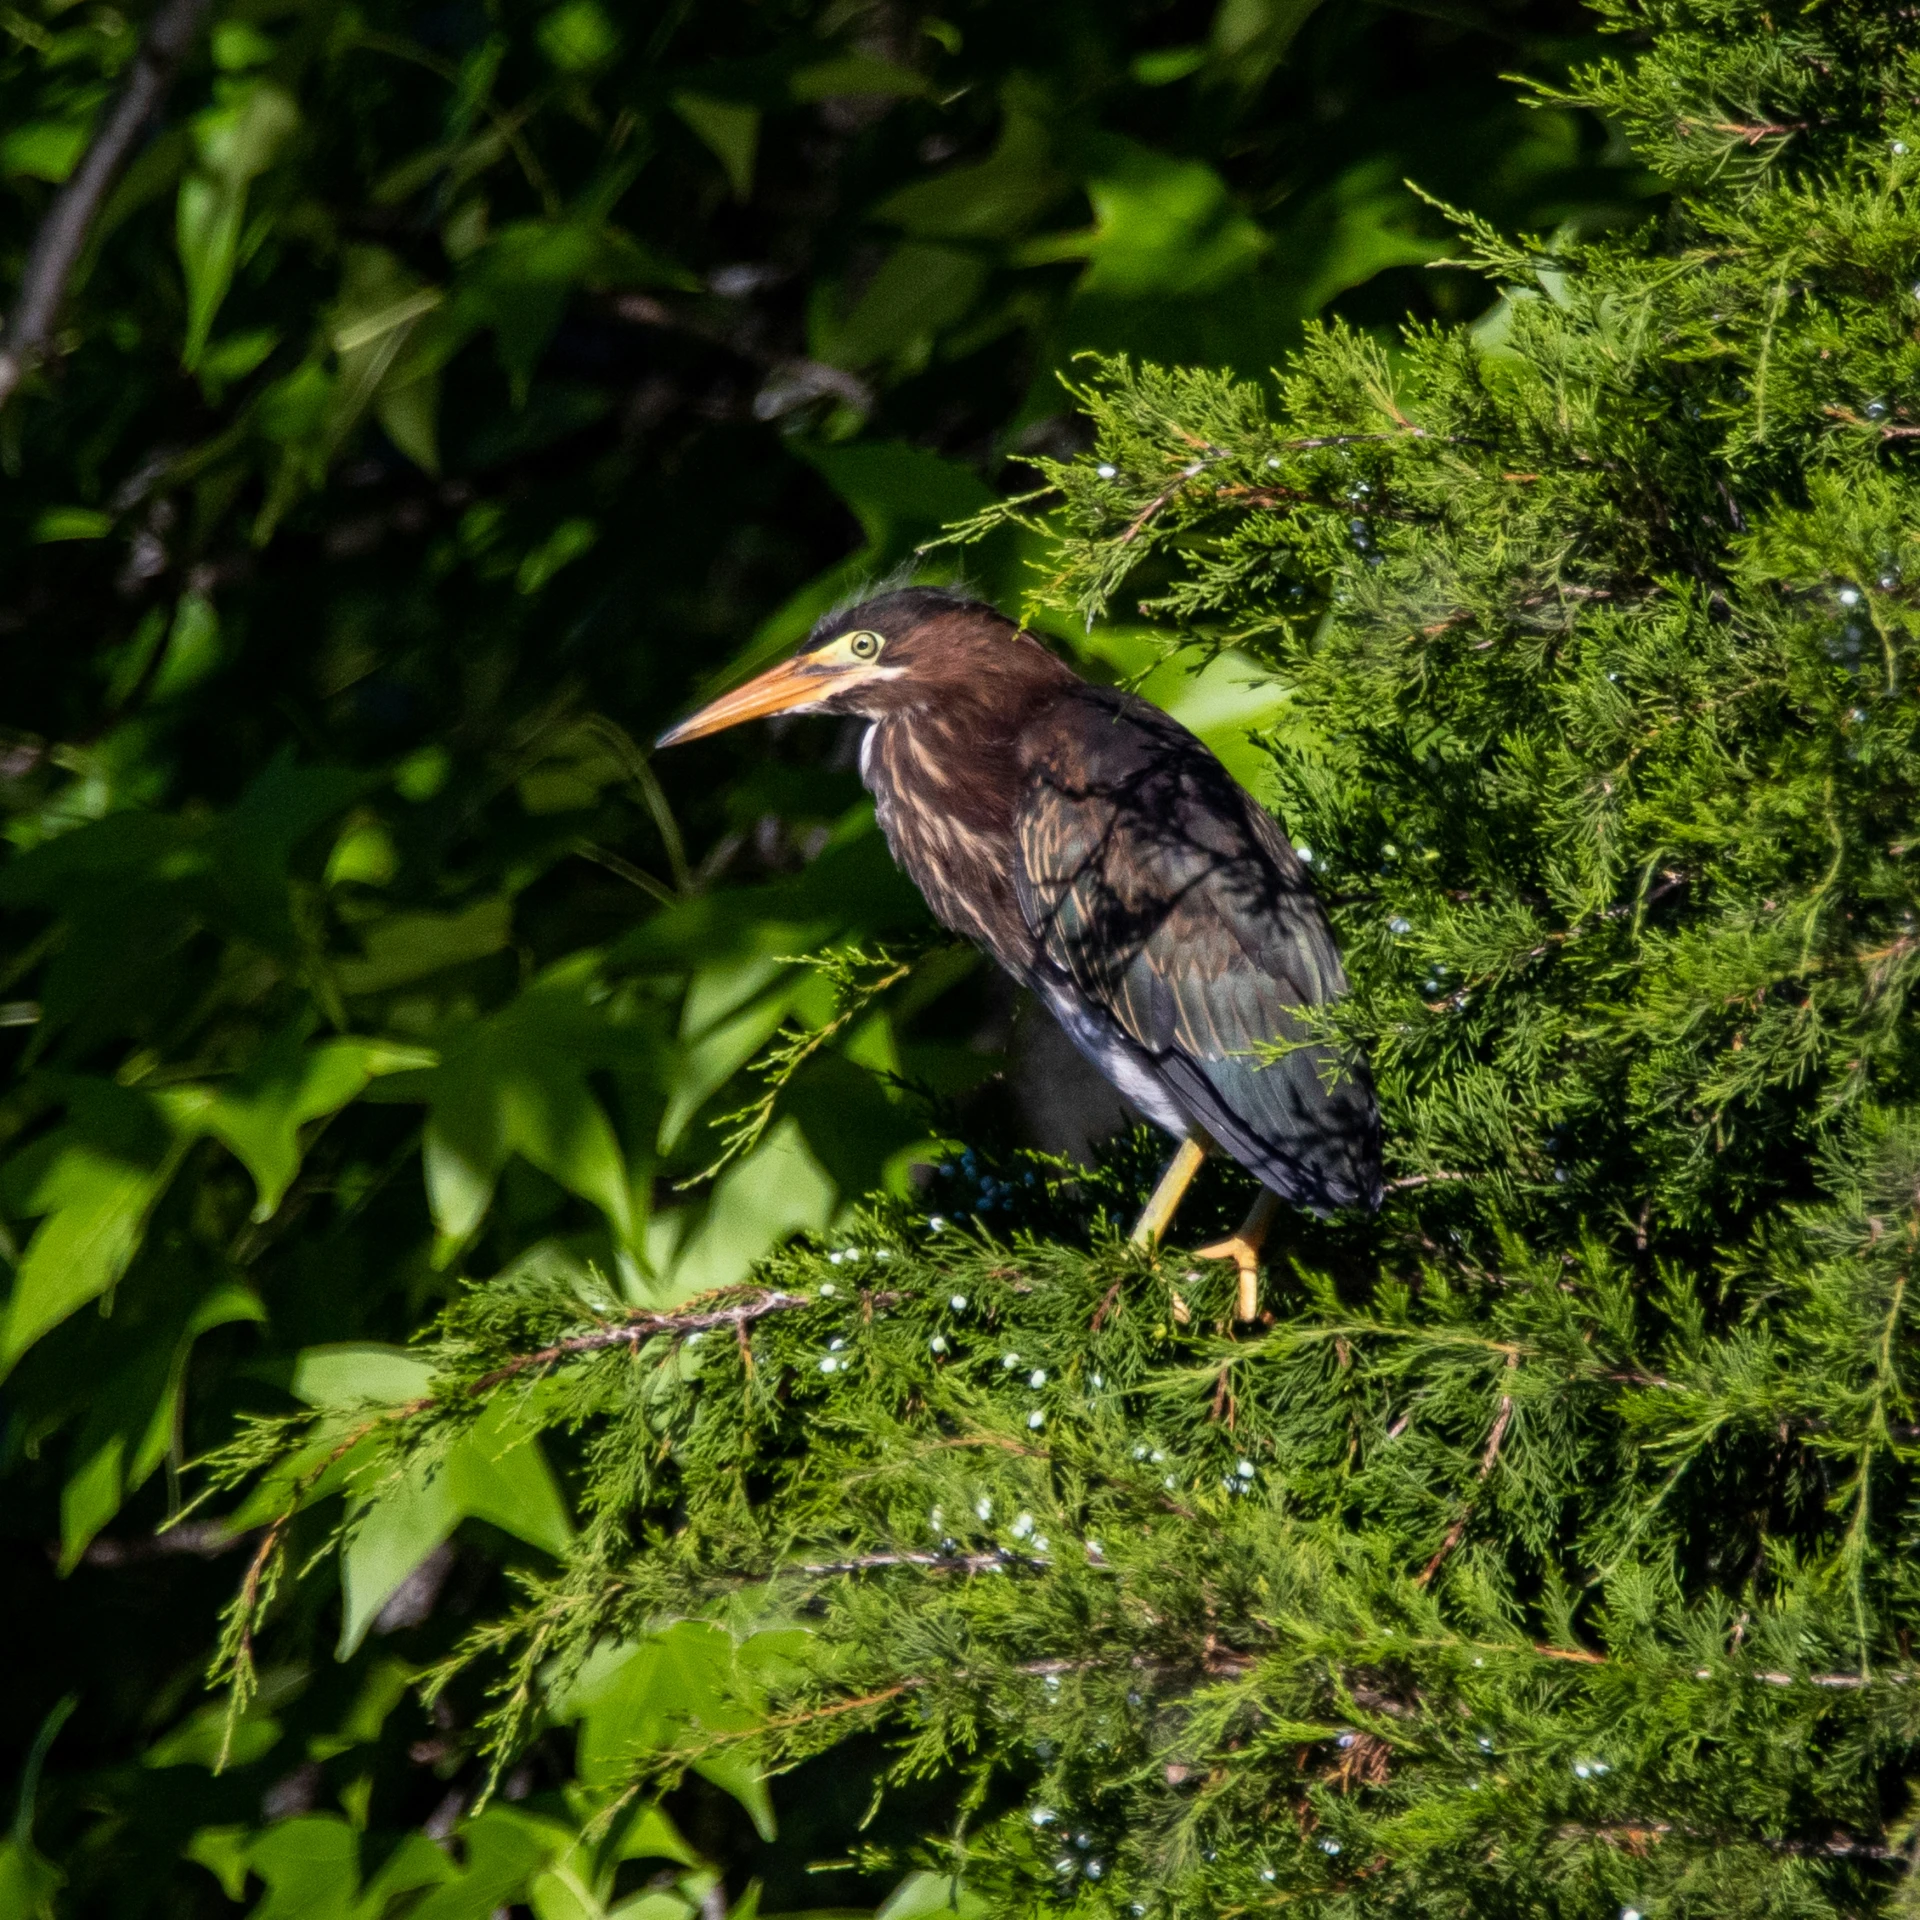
(1106, 859)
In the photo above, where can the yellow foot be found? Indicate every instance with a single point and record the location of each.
(1243, 1249)
(1245, 1254)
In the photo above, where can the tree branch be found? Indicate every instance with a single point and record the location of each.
(638, 1327)
(1488, 1461)
(63, 233)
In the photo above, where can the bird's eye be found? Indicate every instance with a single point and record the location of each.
(864, 645)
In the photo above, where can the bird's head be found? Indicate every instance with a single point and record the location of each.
(912, 648)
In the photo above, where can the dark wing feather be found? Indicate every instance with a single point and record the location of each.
(1176, 907)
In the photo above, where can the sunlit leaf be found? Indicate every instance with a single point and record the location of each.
(731, 133)
(637, 1701)
(408, 946)
(1163, 226)
(235, 141)
(777, 1190)
(44, 150)
(494, 1472)
(578, 36)
(261, 1114)
(993, 199)
(516, 1082)
(93, 1183)
(311, 1866)
(926, 1896)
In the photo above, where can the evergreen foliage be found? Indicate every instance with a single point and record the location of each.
(1550, 1551)
(444, 396)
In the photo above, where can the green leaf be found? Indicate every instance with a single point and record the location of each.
(494, 1472)
(649, 1834)
(1226, 700)
(364, 855)
(236, 141)
(1162, 226)
(43, 149)
(207, 1739)
(926, 1896)
(994, 199)
(504, 1849)
(408, 946)
(409, 416)
(857, 76)
(260, 1116)
(731, 132)
(764, 1198)
(72, 523)
(28, 1881)
(578, 36)
(390, 353)
(192, 649)
(637, 1701)
(1168, 64)
(311, 1865)
(233, 358)
(238, 45)
(654, 1906)
(720, 1040)
(1362, 224)
(516, 1082)
(919, 291)
(519, 284)
(576, 765)
(133, 1418)
(223, 1852)
(95, 1181)
(1251, 37)
(416, 1863)
(565, 544)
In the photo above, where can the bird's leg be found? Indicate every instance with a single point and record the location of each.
(1158, 1213)
(1243, 1249)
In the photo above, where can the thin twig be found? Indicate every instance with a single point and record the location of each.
(1408, 432)
(1886, 433)
(1488, 1460)
(1748, 131)
(1637, 1836)
(63, 233)
(638, 1327)
(934, 1562)
(632, 875)
(1145, 514)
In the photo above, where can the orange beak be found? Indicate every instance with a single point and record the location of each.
(793, 683)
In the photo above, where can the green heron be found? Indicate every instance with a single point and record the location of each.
(1113, 866)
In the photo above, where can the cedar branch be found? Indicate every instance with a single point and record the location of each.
(638, 1327)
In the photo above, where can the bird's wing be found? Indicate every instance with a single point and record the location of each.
(1177, 909)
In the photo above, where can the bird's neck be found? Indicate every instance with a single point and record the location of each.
(945, 782)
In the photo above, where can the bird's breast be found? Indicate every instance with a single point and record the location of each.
(945, 806)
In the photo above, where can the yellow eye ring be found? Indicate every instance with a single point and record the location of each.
(865, 645)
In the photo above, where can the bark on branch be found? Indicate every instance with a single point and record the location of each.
(63, 233)
(637, 1328)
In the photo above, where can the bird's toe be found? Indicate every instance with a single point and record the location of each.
(1245, 1255)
